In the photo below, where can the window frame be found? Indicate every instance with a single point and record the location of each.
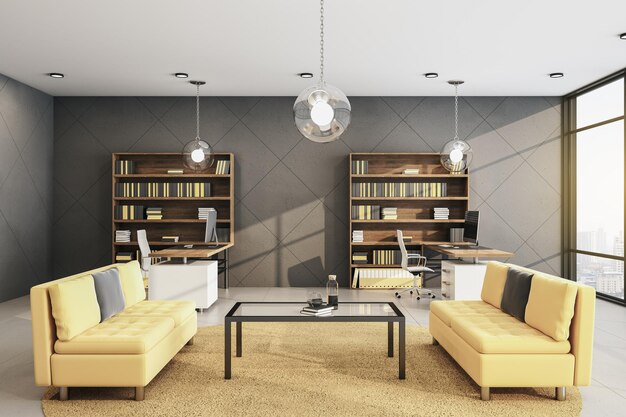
(568, 163)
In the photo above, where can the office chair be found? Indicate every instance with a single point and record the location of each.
(416, 270)
(146, 260)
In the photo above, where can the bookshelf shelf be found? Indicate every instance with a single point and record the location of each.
(382, 174)
(180, 213)
(170, 221)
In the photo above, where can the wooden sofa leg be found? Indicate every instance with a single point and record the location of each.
(64, 393)
(190, 341)
(140, 393)
(484, 393)
(435, 342)
(560, 393)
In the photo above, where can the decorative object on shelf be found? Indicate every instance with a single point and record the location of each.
(456, 234)
(322, 112)
(314, 299)
(456, 155)
(332, 290)
(198, 154)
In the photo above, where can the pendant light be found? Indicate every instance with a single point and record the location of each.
(322, 111)
(456, 154)
(198, 154)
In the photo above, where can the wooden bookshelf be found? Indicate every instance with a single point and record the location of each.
(180, 214)
(415, 213)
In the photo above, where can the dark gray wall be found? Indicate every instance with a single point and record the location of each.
(291, 194)
(26, 187)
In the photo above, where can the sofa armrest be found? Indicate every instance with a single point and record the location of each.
(581, 333)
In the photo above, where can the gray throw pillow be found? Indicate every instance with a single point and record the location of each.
(109, 293)
(516, 292)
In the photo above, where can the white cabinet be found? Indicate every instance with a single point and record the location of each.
(462, 280)
(196, 281)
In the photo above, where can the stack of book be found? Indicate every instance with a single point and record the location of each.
(123, 256)
(390, 213)
(411, 171)
(169, 238)
(442, 213)
(406, 239)
(359, 257)
(223, 167)
(122, 236)
(357, 235)
(363, 212)
(126, 212)
(391, 257)
(154, 213)
(175, 171)
(359, 167)
(321, 311)
(203, 212)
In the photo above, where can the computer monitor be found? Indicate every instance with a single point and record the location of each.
(210, 233)
(470, 229)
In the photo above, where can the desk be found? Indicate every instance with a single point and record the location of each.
(197, 251)
(464, 280)
(196, 281)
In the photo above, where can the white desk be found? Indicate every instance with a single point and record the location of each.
(196, 281)
(462, 280)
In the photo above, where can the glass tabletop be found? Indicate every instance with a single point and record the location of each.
(288, 309)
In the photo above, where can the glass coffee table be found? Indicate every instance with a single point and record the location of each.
(350, 312)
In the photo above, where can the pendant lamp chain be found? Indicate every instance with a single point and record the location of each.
(322, 42)
(197, 111)
(456, 111)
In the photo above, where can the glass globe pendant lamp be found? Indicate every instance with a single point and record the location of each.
(198, 154)
(456, 154)
(322, 111)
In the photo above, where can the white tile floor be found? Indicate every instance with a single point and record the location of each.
(20, 397)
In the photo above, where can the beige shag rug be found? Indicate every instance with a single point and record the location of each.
(288, 369)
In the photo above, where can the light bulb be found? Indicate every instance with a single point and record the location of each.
(456, 155)
(322, 113)
(197, 155)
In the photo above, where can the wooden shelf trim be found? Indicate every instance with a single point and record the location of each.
(225, 176)
(410, 221)
(161, 243)
(412, 243)
(397, 176)
(409, 198)
(168, 221)
(172, 198)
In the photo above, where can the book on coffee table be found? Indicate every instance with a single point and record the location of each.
(323, 310)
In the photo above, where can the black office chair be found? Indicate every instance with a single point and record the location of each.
(416, 270)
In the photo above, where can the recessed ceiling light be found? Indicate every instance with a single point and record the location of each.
(623, 36)
(431, 75)
(181, 75)
(56, 75)
(556, 75)
(306, 75)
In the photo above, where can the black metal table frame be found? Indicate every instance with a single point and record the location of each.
(390, 320)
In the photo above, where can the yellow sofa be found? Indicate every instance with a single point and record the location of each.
(126, 350)
(552, 348)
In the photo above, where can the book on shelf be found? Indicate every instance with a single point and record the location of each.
(381, 278)
(128, 212)
(365, 212)
(122, 236)
(203, 212)
(406, 239)
(456, 234)
(441, 213)
(169, 238)
(359, 167)
(390, 213)
(175, 171)
(391, 257)
(154, 213)
(124, 167)
(223, 167)
(359, 257)
(124, 256)
(357, 235)
(163, 189)
(399, 189)
(411, 171)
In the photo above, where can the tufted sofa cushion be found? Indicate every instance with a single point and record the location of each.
(447, 310)
(505, 334)
(177, 310)
(119, 335)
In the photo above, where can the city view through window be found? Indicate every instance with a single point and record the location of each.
(600, 189)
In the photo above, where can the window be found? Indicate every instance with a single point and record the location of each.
(593, 138)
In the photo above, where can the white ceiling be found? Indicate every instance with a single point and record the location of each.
(252, 47)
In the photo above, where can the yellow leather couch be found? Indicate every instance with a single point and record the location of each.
(552, 348)
(126, 350)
